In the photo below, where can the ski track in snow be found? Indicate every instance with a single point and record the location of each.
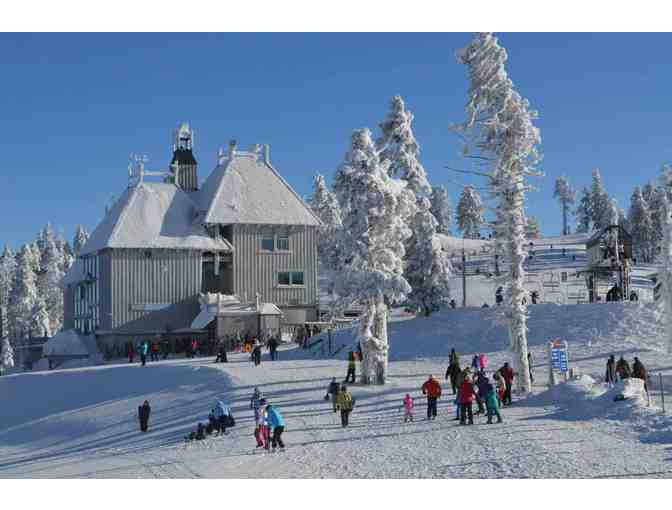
(82, 423)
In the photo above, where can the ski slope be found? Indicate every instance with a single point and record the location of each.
(82, 422)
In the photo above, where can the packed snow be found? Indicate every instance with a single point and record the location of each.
(83, 422)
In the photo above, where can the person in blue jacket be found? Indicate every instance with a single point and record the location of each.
(275, 422)
(144, 348)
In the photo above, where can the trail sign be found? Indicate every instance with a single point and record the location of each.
(558, 360)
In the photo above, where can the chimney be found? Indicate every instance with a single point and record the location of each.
(232, 148)
(267, 154)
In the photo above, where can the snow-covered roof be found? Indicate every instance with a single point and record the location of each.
(245, 188)
(69, 343)
(152, 215)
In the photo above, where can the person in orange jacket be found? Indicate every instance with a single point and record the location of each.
(432, 389)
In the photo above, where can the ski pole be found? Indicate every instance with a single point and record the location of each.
(662, 391)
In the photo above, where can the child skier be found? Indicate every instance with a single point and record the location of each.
(408, 408)
(261, 429)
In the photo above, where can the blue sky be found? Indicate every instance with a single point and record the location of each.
(74, 106)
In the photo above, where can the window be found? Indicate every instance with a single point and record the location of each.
(283, 278)
(283, 243)
(297, 278)
(267, 244)
(563, 276)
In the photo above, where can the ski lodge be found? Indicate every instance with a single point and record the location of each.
(176, 259)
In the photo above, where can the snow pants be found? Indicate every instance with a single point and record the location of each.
(466, 411)
(277, 439)
(351, 373)
(493, 411)
(431, 407)
(345, 417)
(507, 394)
(144, 425)
(274, 354)
(261, 435)
(143, 359)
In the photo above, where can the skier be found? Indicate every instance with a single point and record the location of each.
(345, 403)
(623, 368)
(475, 363)
(432, 389)
(221, 353)
(453, 373)
(529, 366)
(491, 401)
(275, 422)
(332, 393)
(639, 371)
(454, 358)
(465, 400)
(482, 362)
(222, 414)
(144, 347)
(143, 415)
(480, 381)
(130, 351)
(256, 354)
(535, 297)
(255, 401)
(351, 368)
(408, 408)
(507, 374)
(273, 348)
(610, 373)
(261, 429)
(453, 304)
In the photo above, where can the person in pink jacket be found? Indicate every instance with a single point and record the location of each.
(482, 362)
(408, 408)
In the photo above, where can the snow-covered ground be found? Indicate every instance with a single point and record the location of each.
(82, 422)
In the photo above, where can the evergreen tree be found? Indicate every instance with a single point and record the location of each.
(639, 218)
(324, 204)
(6, 354)
(584, 212)
(600, 202)
(441, 209)
(23, 294)
(49, 283)
(80, 239)
(7, 268)
(500, 127)
(40, 325)
(566, 195)
(532, 230)
(399, 151)
(400, 154)
(373, 209)
(470, 211)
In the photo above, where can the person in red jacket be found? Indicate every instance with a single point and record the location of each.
(507, 374)
(432, 389)
(466, 398)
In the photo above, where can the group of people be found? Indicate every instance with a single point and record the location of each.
(271, 344)
(619, 370)
(269, 423)
(219, 419)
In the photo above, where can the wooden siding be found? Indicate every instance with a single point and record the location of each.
(257, 271)
(105, 289)
(167, 276)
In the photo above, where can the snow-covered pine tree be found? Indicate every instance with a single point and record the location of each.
(584, 212)
(40, 324)
(639, 218)
(499, 126)
(78, 242)
(470, 211)
(6, 354)
(566, 195)
(23, 294)
(7, 268)
(666, 269)
(600, 202)
(532, 230)
(373, 207)
(49, 282)
(427, 268)
(325, 205)
(441, 209)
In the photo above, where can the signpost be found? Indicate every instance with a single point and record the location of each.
(559, 360)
